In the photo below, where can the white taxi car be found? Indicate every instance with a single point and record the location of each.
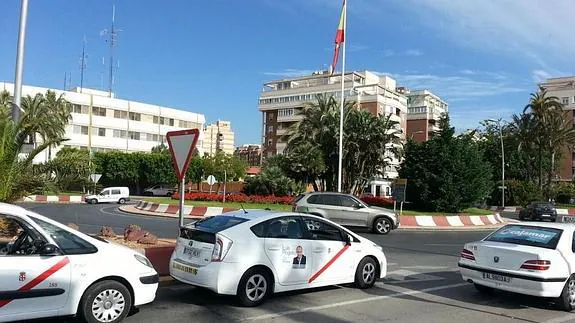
(48, 269)
(535, 259)
(255, 253)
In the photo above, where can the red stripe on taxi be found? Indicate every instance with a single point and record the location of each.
(42, 277)
(329, 263)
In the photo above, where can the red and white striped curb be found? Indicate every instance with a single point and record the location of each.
(405, 220)
(450, 220)
(54, 198)
(172, 209)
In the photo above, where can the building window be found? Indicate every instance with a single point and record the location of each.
(156, 119)
(565, 100)
(286, 112)
(120, 134)
(100, 132)
(80, 130)
(97, 111)
(134, 135)
(135, 116)
(120, 114)
(151, 137)
(76, 108)
(184, 124)
(270, 128)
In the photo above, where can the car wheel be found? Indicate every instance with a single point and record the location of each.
(106, 302)
(566, 301)
(93, 201)
(122, 201)
(382, 226)
(254, 287)
(483, 289)
(366, 273)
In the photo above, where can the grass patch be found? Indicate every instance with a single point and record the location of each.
(235, 205)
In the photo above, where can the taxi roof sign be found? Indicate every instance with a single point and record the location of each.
(182, 144)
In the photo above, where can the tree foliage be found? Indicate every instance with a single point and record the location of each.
(271, 181)
(43, 116)
(313, 148)
(70, 169)
(446, 173)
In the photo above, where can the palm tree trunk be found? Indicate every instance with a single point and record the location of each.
(540, 167)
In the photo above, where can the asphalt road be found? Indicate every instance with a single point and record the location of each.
(423, 284)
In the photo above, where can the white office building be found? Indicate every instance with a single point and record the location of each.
(101, 122)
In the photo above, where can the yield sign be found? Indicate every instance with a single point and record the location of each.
(182, 144)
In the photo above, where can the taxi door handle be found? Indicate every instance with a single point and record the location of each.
(318, 250)
(274, 248)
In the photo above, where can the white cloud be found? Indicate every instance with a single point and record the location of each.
(539, 30)
(290, 72)
(388, 53)
(460, 88)
(540, 76)
(413, 52)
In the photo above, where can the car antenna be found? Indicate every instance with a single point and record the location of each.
(245, 212)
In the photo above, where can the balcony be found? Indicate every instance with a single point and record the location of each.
(292, 118)
(283, 131)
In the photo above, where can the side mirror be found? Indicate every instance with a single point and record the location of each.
(348, 239)
(49, 250)
(358, 206)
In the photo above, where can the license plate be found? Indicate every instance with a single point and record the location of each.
(186, 269)
(499, 278)
(546, 215)
(192, 252)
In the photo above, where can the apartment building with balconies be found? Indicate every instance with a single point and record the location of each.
(424, 110)
(250, 153)
(219, 136)
(102, 122)
(564, 89)
(281, 101)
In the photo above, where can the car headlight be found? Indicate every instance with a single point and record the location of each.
(143, 260)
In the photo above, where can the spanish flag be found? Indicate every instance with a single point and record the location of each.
(339, 36)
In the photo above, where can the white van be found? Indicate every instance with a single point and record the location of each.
(110, 194)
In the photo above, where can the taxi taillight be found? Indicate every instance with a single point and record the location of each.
(466, 254)
(536, 265)
(221, 248)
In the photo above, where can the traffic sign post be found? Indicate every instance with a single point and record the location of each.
(211, 181)
(398, 193)
(95, 178)
(182, 144)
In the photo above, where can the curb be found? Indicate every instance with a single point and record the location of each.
(61, 199)
(407, 222)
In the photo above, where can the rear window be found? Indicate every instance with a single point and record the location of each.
(299, 197)
(527, 235)
(218, 223)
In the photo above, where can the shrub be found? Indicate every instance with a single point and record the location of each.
(378, 201)
(239, 198)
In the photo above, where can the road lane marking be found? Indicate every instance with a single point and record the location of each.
(445, 244)
(352, 302)
(408, 276)
(561, 319)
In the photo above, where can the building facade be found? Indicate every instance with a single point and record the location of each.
(218, 136)
(424, 110)
(564, 89)
(250, 153)
(101, 122)
(281, 101)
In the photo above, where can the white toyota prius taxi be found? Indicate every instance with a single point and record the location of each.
(535, 259)
(255, 253)
(48, 269)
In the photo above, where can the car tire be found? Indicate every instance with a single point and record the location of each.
(366, 273)
(254, 287)
(566, 301)
(382, 225)
(108, 293)
(122, 201)
(483, 289)
(93, 201)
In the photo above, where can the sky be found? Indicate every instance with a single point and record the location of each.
(213, 56)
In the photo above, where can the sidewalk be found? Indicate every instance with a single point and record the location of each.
(461, 222)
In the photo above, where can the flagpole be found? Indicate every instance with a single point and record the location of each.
(340, 157)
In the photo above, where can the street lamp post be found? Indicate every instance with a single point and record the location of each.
(16, 108)
(498, 122)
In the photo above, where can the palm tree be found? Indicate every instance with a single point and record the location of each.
(561, 135)
(55, 116)
(16, 172)
(542, 108)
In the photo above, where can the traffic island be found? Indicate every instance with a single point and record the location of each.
(407, 222)
(61, 199)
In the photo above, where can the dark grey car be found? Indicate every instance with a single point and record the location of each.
(346, 209)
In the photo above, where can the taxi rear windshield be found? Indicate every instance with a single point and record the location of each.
(527, 236)
(218, 223)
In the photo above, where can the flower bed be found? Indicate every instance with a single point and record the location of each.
(378, 201)
(241, 198)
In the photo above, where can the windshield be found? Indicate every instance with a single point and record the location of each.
(218, 223)
(68, 242)
(527, 235)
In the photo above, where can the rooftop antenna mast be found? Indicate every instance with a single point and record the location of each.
(113, 34)
(83, 64)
